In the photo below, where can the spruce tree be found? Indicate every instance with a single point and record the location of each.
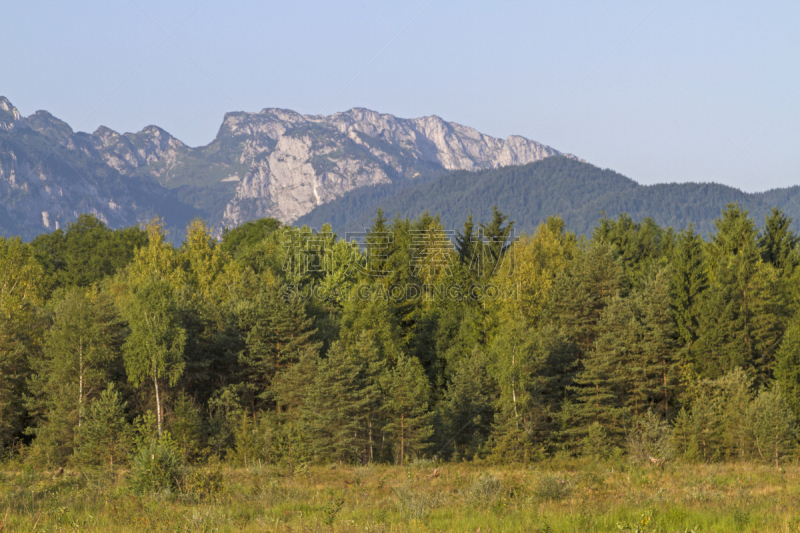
(466, 413)
(787, 366)
(408, 416)
(773, 426)
(581, 292)
(689, 280)
(276, 331)
(106, 437)
(658, 365)
(336, 408)
(777, 241)
(465, 241)
(604, 388)
(495, 234)
(378, 246)
(744, 309)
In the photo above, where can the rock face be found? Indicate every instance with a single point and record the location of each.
(275, 163)
(49, 175)
(299, 162)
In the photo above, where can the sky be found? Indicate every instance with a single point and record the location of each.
(658, 91)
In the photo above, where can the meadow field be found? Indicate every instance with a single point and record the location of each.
(554, 496)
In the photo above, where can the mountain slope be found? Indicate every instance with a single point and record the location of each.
(576, 191)
(50, 174)
(275, 163)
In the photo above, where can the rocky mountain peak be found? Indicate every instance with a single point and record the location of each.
(106, 135)
(274, 163)
(6, 106)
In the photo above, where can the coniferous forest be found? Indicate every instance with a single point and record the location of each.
(409, 342)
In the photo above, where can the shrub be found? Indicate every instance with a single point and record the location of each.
(415, 505)
(552, 487)
(486, 488)
(650, 437)
(157, 467)
(203, 482)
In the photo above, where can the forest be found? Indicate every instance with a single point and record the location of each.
(277, 345)
(577, 191)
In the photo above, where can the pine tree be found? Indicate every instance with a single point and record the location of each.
(336, 407)
(106, 437)
(466, 413)
(74, 367)
(21, 292)
(407, 411)
(773, 426)
(276, 332)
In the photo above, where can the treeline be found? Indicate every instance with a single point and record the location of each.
(283, 345)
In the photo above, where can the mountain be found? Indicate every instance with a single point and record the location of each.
(577, 191)
(275, 163)
(50, 174)
(311, 169)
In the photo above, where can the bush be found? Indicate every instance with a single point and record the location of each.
(650, 437)
(552, 487)
(486, 488)
(415, 505)
(203, 482)
(157, 467)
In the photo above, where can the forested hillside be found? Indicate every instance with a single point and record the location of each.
(573, 190)
(279, 345)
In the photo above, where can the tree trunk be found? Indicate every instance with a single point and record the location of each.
(514, 397)
(370, 440)
(514, 390)
(777, 436)
(666, 392)
(80, 382)
(402, 440)
(158, 403)
(484, 322)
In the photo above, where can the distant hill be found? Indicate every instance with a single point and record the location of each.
(274, 163)
(576, 191)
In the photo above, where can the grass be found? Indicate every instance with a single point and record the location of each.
(553, 496)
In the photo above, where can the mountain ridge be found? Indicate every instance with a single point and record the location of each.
(275, 162)
(575, 190)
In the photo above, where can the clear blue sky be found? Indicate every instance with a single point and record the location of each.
(659, 91)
